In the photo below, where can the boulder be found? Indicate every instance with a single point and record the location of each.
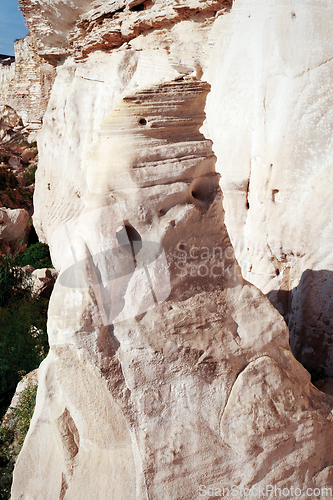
(8, 117)
(43, 282)
(29, 154)
(13, 224)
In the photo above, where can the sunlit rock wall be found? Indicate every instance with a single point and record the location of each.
(167, 371)
(270, 117)
(25, 85)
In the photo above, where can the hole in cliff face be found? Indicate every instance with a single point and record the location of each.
(127, 234)
(143, 121)
(275, 196)
(277, 272)
(142, 6)
(204, 189)
(137, 8)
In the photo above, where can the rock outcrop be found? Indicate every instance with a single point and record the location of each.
(43, 282)
(273, 140)
(169, 375)
(13, 224)
(25, 84)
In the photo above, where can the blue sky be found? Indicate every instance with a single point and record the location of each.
(11, 26)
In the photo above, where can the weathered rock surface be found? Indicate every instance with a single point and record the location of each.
(167, 370)
(82, 27)
(269, 115)
(202, 389)
(13, 224)
(25, 84)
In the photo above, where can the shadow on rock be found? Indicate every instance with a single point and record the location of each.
(308, 312)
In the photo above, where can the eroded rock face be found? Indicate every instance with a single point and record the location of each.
(25, 85)
(82, 27)
(273, 140)
(167, 371)
(189, 390)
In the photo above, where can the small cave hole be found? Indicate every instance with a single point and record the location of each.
(127, 234)
(143, 121)
(138, 8)
(277, 272)
(275, 195)
(247, 205)
(204, 189)
(142, 6)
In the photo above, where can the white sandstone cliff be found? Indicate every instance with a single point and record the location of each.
(167, 370)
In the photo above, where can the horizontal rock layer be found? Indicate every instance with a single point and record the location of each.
(82, 27)
(25, 85)
(174, 372)
(167, 370)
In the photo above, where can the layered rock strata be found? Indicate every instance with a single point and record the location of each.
(269, 68)
(25, 84)
(168, 374)
(80, 28)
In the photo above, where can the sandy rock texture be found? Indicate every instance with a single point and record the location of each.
(273, 140)
(25, 84)
(81, 27)
(169, 375)
(194, 388)
(270, 125)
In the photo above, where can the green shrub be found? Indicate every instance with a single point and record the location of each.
(12, 437)
(23, 337)
(23, 412)
(23, 343)
(32, 144)
(7, 460)
(37, 255)
(29, 175)
(10, 280)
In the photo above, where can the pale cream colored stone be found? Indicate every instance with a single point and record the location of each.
(269, 115)
(148, 400)
(201, 389)
(43, 282)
